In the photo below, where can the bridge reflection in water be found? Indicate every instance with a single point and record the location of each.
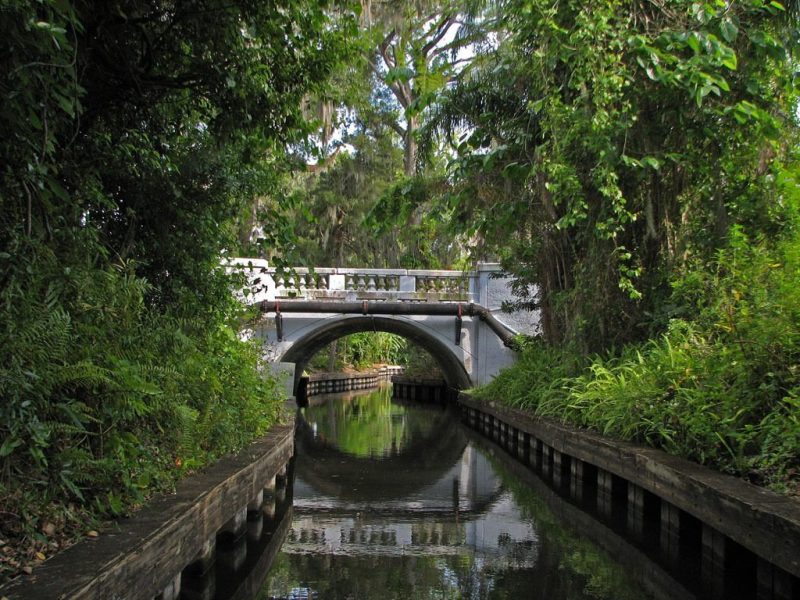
(393, 501)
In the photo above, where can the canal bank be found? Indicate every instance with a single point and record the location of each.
(179, 538)
(744, 540)
(422, 389)
(334, 383)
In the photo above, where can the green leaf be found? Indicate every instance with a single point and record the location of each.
(728, 29)
(399, 74)
(730, 61)
(630, 161)
(652, 162)
(694, 43)
(70, 485)
(67, 104)
(57, 190)
(8, 445)
(45, 26)
(115, 503)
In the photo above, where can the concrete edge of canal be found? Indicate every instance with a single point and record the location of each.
(711, 515)
(335, 383)
(653, 579)
(144, 556)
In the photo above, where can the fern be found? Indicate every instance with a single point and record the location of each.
(46, 338)
(84, 374)
(186, 416)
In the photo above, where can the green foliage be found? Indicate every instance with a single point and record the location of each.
(367, 201)
(363, 350)
(335, 203)
(643, 158)
(368, 349)
(423, 238)
(93, 399)
(604, 145)
(417, 362)
(134, 135)
(415, 53)
(537, 376)
(357, 209)
(721, 390)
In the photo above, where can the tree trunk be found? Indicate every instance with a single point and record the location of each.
(332, 355)
(410, 143)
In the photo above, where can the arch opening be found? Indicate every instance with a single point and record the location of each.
(306, 347)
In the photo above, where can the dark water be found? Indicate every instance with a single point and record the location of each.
(395, 500)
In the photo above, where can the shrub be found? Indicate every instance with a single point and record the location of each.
(722, 389)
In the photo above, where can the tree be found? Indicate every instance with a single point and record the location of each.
(605, 148)
(134, 133)
(417, 52)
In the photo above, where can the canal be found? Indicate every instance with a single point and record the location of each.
(368, 495)
(393, 499)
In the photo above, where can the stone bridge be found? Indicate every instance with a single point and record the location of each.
(456, 316)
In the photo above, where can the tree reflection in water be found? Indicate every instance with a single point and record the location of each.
(368, 425)
(392, 501)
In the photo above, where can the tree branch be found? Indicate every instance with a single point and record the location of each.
(384, 47)
(403, 93)
(441, 30)
(457, 43)
(398, 129)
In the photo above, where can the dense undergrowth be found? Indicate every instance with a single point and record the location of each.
(721, 388)
(365, 350)
(134, 136)
(107, 400)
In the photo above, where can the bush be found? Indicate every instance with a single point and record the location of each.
(366, 349)
(722, 390)
(106, 399)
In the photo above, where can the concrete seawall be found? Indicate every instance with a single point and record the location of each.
(717, 524)
(333, 383)
(421, 389)
(405, 387)
(175, 536)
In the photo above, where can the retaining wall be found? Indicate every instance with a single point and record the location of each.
(174, 537)
(420, 389)
(743, 541)
(332, 383)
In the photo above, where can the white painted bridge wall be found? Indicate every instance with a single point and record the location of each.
(481, 352)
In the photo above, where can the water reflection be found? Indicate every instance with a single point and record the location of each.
(367, 425)
(393, 501)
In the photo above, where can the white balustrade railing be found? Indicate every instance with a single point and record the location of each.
(263, 282)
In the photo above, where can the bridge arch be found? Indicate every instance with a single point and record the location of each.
(451, 364)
